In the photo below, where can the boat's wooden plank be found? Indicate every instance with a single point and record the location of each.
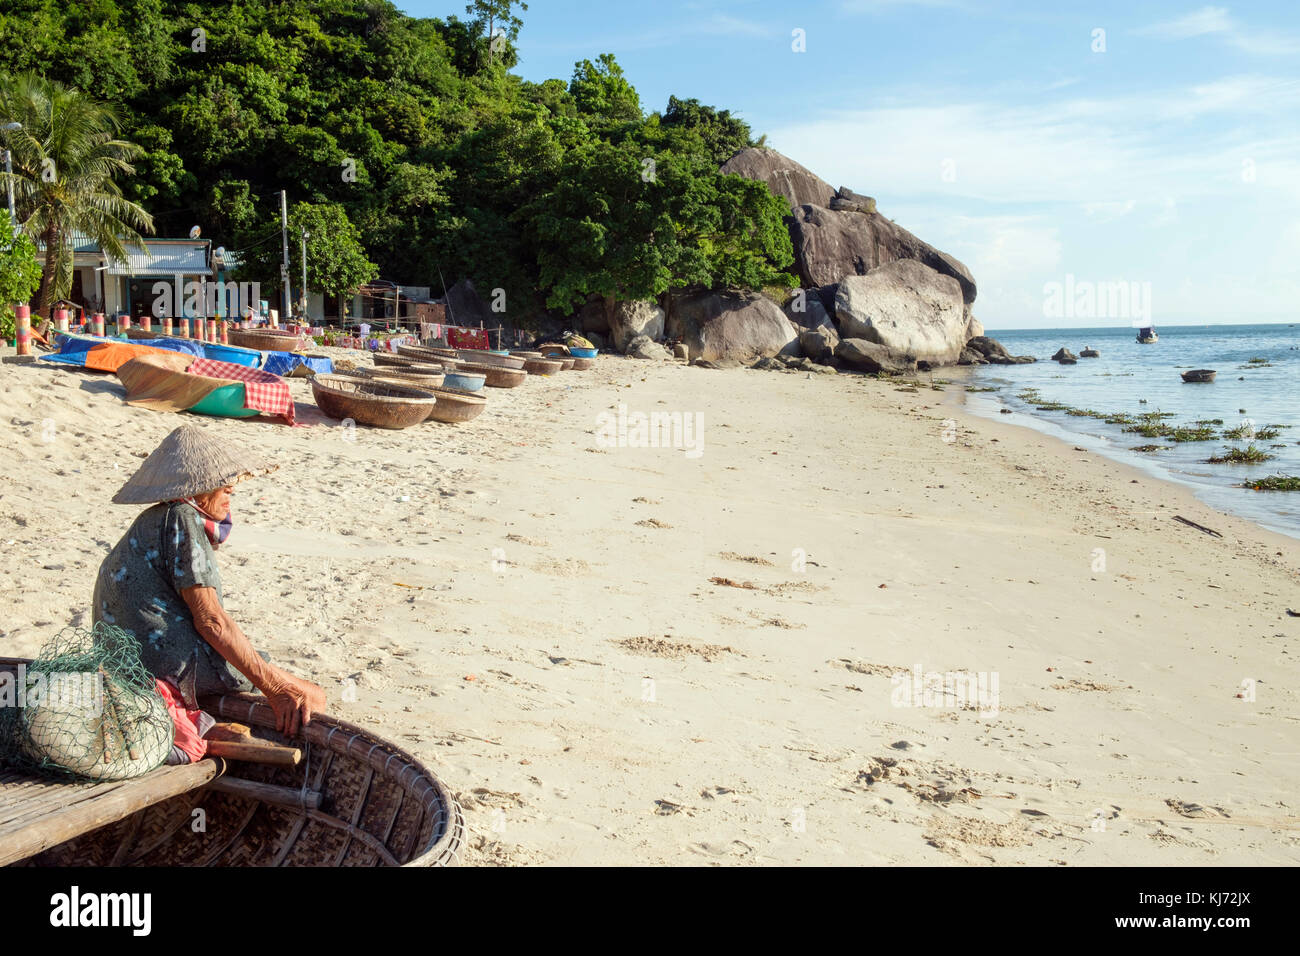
(86, 815)
(53, 802)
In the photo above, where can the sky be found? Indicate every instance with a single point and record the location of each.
(1155, 144)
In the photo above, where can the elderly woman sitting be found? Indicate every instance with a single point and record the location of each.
(161, 583)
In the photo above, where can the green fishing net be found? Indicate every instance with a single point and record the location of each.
(86, 707)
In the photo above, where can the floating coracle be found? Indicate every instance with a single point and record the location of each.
(1199, 375)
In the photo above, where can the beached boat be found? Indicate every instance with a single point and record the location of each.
(465, 381)
(394, 376)
(265, 340)
(482, 357)
(424, 353)
(580, 364)
(1199, 375)
(370, 402)
(542, 366)
(457, 405)
(228, 401)
(1146, 335)
(355, 799)
(495, 376)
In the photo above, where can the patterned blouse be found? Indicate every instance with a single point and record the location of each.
(139, 589)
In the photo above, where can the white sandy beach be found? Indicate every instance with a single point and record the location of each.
(532, 615)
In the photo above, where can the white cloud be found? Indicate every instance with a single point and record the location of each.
(1203, 21)
(1108, 211)
(1216, 21)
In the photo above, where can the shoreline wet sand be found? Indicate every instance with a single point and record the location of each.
(632, 655)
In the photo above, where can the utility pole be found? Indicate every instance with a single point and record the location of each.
(304, 272)
(284, 266)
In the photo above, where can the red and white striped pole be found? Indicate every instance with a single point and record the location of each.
(123, 323)
(97, 324)
(183, 327)
(61, 319)
(146, 322)
(23, 329)
(212, 330)
(225, 332)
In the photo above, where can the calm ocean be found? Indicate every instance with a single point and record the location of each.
(1128, 372)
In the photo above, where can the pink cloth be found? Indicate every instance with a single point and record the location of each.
(191, 725)
(467, 338)
(263, 391)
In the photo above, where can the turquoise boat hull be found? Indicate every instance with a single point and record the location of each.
(225, 402)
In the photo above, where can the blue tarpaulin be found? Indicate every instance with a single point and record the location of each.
(283, 363)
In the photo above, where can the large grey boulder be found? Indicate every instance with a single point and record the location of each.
(743, 327)
(644, 347)
(594, 315)
(819, 343)
(868, 356)
(974, 326)
(466, 307)
(994, 352)
(796, 183)
(829, 245)
(846, 200)
(806, 311)
(906, 306)
(627, 320)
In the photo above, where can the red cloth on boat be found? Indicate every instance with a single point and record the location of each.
(263, 391)
(467, 338)
(191, 725)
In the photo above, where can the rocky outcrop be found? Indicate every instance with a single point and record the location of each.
(992, 352)
(594, 316)
(1065, 357)
(1089, 353)
(974, 326)
(819, 343)
(743, 327)
(628, 320)
(465, 307)
(644, 347)
(797, 184)
(868, 356)
(829, 245)
(846, 200)
(813, 312)
(906, 306)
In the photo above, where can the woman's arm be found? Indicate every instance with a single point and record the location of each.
(293, 700)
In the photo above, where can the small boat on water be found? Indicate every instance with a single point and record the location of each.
(354, 800)
(1147, 335)
(1199, 375)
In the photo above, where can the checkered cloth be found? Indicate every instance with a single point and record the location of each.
(467, 338)
(263, 391)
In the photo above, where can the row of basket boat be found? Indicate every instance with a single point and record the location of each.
(421, 383)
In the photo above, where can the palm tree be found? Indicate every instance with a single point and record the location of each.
(65, 158)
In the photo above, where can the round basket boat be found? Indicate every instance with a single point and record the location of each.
(1199, 375)
(354, 800)
(265, 340)
(523, 353)
(422, 353)
(579, 364)
(493, 376)
(465, 381)
(388, 358)
(424, 381)
(415, 369)
(542, 366)
(370, 402)
(481, 357)
(457, 405)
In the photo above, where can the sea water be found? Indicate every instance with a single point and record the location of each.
(1127, 373)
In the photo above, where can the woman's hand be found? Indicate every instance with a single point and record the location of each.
(294, 701)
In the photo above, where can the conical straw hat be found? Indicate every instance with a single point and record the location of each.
(189, 462)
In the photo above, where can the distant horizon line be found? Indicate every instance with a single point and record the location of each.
(1122, 328)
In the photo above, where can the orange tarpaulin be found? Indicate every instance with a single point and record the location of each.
(111, 356)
